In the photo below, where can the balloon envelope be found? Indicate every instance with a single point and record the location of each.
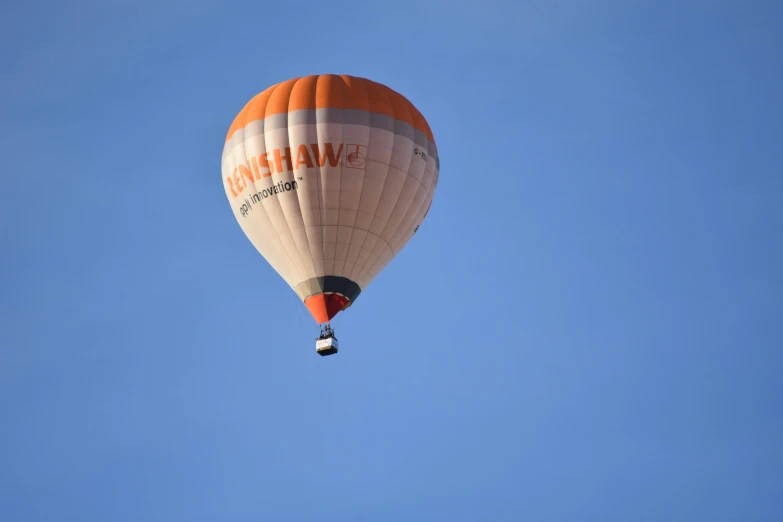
(329, 177)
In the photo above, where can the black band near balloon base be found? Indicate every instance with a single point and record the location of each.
(328, 284)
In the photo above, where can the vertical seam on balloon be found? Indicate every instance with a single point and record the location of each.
(242, 159)
(284, 252)
(413, 198)
(409, 219)
(298, 198)
(356, 215)
(379, 259)
(342, 168)
(278, 200)
(358, 269)
(383, 186)
(408, 175)
(407, 215)
(274, 201)
(319, 188)
(341, 164)
(322, 206)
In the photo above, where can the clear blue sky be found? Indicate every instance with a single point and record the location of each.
(587, 327)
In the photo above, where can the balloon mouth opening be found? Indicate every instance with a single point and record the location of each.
(325, 306)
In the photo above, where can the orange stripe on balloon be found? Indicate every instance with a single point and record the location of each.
(330, 91)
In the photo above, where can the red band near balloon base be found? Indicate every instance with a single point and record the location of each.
(325, 306)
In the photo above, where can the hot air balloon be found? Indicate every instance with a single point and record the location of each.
(329, 176)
